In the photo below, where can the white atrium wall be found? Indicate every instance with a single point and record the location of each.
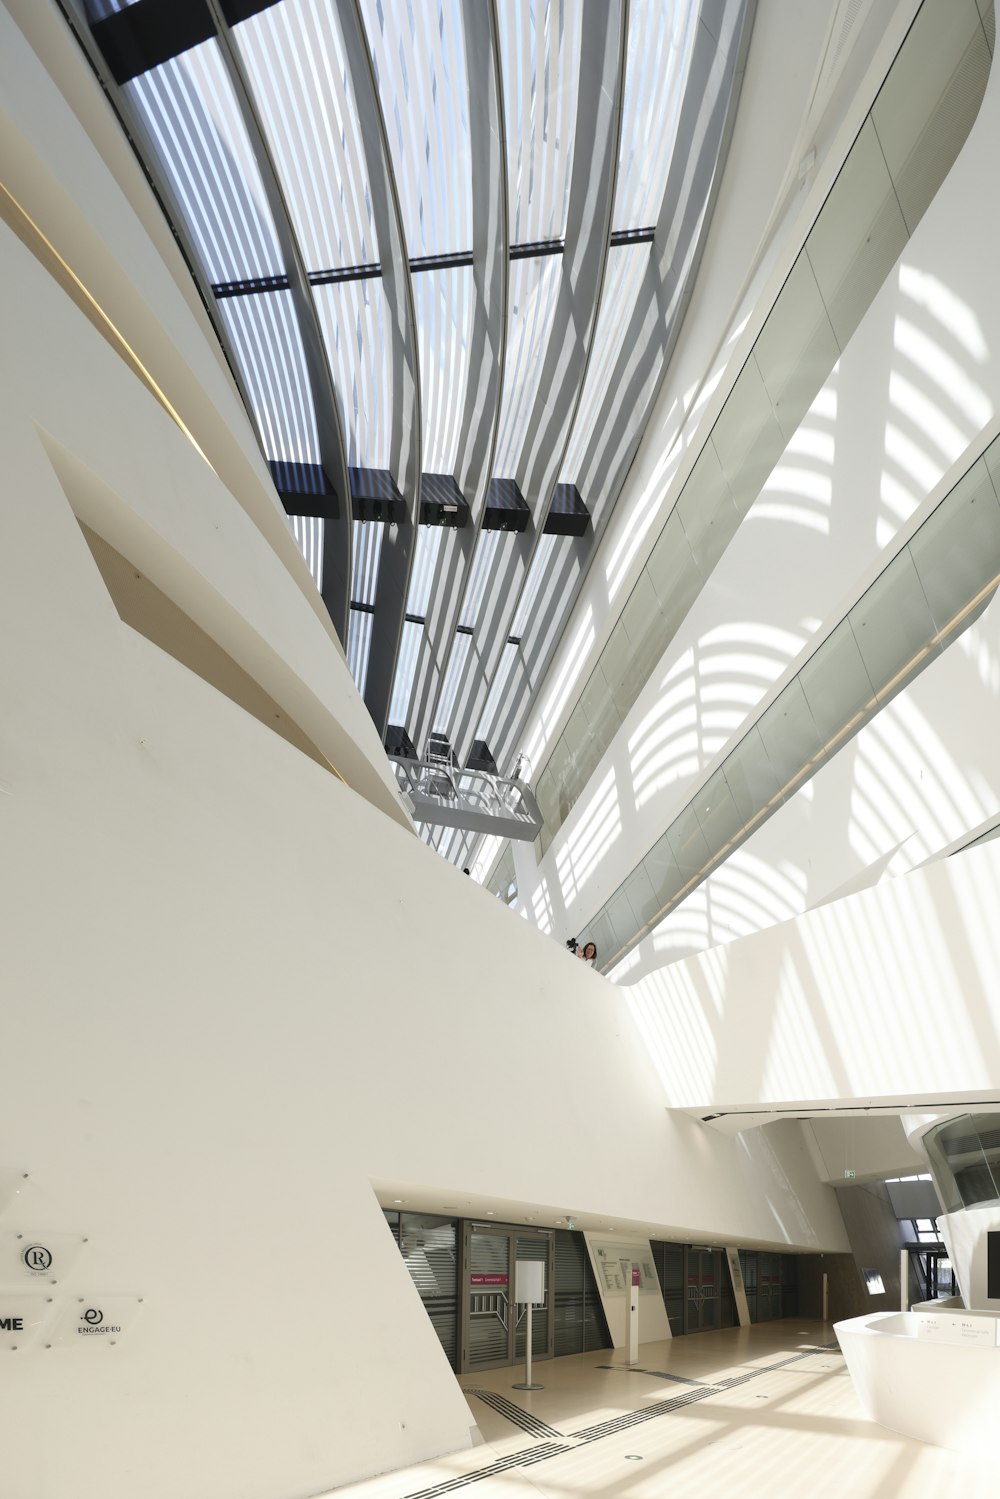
(887, 997)
(914, 781)
(238, 991)
(916, 384)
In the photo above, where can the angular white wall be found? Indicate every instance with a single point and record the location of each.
(889, 996)
(238, 991)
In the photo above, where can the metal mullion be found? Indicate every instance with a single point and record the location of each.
(337, 534)
(406, 441)
(481, 415)
(588, 245)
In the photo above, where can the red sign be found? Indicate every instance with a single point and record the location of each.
(488, 1280)
(636, 1277)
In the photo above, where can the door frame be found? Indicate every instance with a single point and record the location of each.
(513, 1232)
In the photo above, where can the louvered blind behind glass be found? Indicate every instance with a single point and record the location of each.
(580, 1323)
(428, 1247)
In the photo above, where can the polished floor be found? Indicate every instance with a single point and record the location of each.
(765, 1412)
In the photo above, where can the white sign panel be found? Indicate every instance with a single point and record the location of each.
(529, 1281)
(615, 1260)
(89, 1320)
(41, 1257)
(21, 1317)
(956, 1328)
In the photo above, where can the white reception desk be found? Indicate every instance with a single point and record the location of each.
(930, 1375)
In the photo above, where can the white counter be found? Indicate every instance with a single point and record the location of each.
(930, 1375)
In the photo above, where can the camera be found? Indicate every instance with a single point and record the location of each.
(572, 944)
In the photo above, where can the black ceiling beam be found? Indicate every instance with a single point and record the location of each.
(370, 271)
(151, 32)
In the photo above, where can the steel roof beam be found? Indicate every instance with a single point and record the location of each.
(399, 541)
(490, 236)
(588, 241)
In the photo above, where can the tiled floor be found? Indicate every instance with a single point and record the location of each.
(764, 1412)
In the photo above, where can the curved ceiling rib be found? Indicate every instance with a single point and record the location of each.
(337, 530)
(542, 439)
(603, 452)
(481, 414)
(405, 447)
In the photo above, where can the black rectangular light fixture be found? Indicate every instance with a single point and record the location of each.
(442, 502)
(480, 758)
(506, 507)
(305, 489)
(568, 515)
(398, 742)
(374, 496)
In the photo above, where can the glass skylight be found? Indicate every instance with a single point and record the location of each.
(532, 297)
(529, 597)
(627, 264)
(297, 65)
(482, 567)
(540, 54)
(359, 644)
(456, 665)
(203, 150)
(354, 318)
(419, 55)
(418, 600)
(443, 301)
(265, 336)
(309, 102)
(661, 35)
(429, 539)
(406, 666)
(498, 690)
(367, 549)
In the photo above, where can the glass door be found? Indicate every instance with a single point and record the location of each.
(704, 1289)
(494, 1326)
